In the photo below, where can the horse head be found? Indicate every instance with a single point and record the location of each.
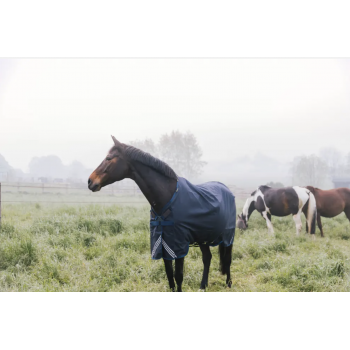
(248, 208)
(242, 223)
(113, 168)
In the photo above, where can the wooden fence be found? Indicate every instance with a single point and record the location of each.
(115, 190)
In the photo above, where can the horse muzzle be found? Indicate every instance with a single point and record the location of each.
(241, 225)
(93, 186)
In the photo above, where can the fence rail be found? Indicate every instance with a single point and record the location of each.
(63, 187)
(0, 204)
(44, 188)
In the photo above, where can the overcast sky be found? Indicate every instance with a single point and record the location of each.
(235, 107)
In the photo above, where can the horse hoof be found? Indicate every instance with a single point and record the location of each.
(229, 284)
(201, 290)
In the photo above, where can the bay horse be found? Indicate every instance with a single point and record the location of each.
(182, 214)
(331, 203)
(284, 201)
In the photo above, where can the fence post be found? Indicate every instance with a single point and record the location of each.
(0, 205)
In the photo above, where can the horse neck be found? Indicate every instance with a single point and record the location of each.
(247, 211)
(156, 187)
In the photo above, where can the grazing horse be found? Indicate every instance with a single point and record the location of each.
(182, 214)
(280, 202)
(331, 203)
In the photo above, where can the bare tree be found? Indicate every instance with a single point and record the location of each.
(347, 162)
(4, 165)
(146, 145)
(332, 157)
(182, 152)
(309, 170)
(48, 166)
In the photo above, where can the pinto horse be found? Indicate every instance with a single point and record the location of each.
(331, 203)
(280, 202)
(182, 214)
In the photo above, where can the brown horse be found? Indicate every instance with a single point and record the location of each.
(182, 214)
(331, 203)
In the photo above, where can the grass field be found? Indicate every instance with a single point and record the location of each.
(81, 247)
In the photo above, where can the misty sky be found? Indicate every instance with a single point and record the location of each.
(235, 107)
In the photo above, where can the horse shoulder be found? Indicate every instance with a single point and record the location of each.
(259, 204)
(272, 197)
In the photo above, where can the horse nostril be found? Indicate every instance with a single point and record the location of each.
(94, 187)
(89, 182)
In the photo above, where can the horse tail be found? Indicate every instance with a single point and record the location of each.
(312, 213)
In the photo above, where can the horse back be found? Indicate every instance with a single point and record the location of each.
(332, 202)
(345, 193)
(281, 201)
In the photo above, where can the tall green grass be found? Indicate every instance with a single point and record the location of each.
(106, 248)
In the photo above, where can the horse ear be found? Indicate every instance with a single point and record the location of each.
(116, 142)
(239, 217)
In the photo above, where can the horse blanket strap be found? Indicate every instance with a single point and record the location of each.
(196, 214)
(161, 223)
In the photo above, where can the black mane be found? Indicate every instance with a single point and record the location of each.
(264, 188)
(147, 159)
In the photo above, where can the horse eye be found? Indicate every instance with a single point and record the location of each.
(111, 157)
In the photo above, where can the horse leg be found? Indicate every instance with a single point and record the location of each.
(305, 213)
(298, 223)
(267, 217)
(179, 273)
(319, 223)
(206, 256)
(225, 262)
(170, 273)
(347, 213)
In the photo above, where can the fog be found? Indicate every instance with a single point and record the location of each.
(251, 117)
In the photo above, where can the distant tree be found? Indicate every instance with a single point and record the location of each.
(332, 157)
(77, 170)
(48, 166)
(5, 170)
(182, 152)
(52, 168)
(309, 170)
(4, 165)
(275, 184)
(146, 145)
(347, 162)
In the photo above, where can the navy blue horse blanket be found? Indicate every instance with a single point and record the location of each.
(196, 214)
